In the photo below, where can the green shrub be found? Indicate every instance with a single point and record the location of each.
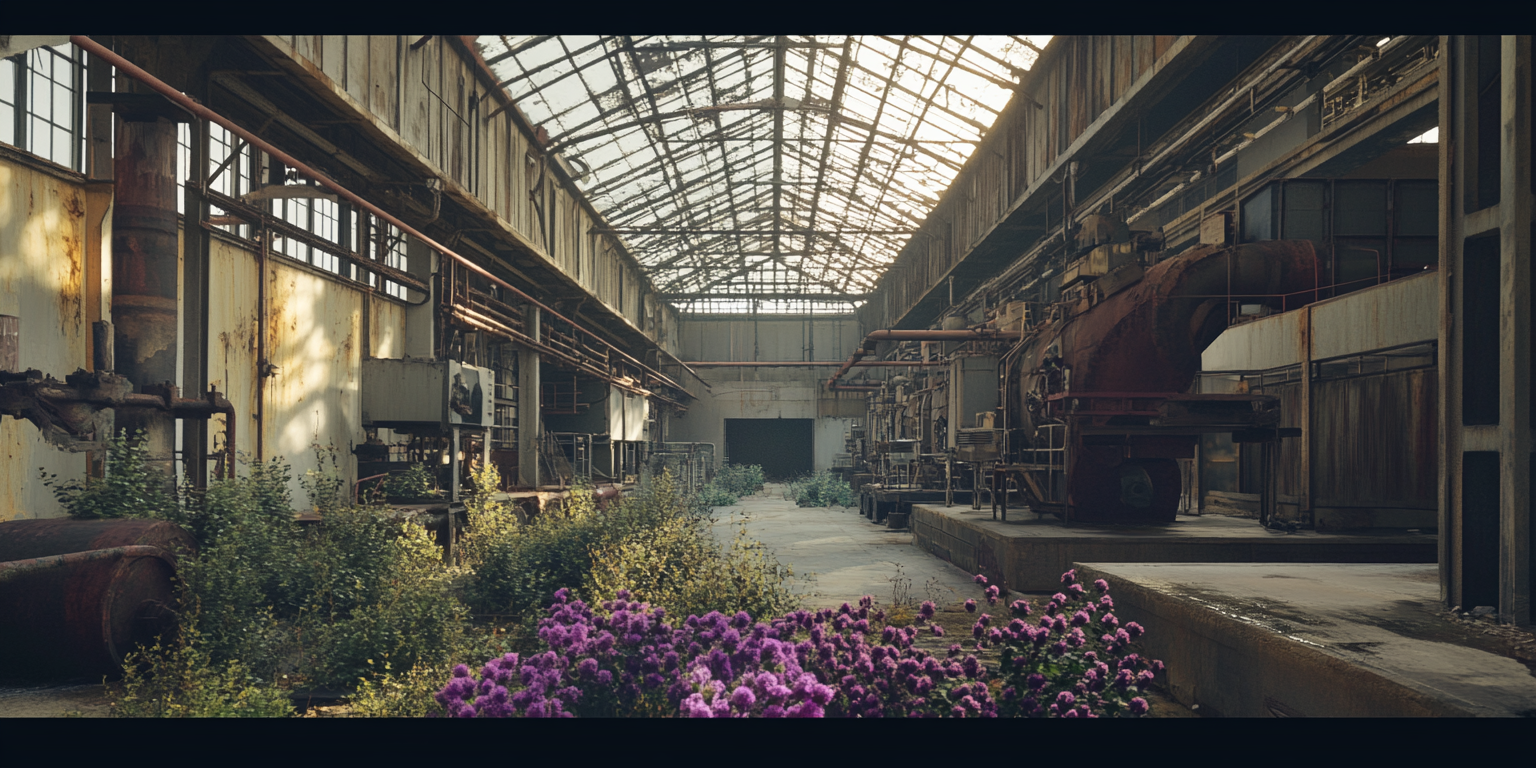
(740, 479)
(182, 680)
(822, 489)
(703, 502)
(414, 483)
(129, 489)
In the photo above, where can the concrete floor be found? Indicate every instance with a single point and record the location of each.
(849, 556)
(1321, 639)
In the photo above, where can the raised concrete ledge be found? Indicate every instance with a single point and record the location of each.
(1029, 555)
(1318, 640)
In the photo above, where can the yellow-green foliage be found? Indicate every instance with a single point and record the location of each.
(405, 694)
(675, 562)
(179, 679)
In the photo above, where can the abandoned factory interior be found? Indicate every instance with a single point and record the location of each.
(332, 366)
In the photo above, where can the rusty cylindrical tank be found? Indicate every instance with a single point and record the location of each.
(76, 595)
(1148, 337)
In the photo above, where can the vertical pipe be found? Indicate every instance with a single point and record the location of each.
(261, 342)
(10, 343)
(144, 274)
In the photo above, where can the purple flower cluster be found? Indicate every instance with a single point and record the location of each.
(1074, 661)
(625, 659)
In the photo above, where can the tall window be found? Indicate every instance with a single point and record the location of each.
(392, 251)
(42, 104)
(234, 176)
(319, 216)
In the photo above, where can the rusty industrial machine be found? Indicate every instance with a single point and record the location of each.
(1096, 406)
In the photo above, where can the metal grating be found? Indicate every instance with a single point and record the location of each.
(748, 171)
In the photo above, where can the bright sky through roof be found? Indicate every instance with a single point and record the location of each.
(763, 165)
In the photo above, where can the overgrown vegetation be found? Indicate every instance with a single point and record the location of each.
(740, 479)
(732, 482)
(363, 599)
(414, 483)
(822, 489)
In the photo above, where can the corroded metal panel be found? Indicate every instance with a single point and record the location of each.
(42, 264)
(232, 328)
(312, 397)
(1376, 439)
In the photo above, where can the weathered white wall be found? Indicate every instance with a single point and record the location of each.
(314, 335)
(42, 269)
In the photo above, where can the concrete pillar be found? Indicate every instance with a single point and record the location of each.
(144, 273)
(1515, 420)
(1485, 336)
(530, 424)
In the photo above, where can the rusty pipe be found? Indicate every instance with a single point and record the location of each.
(191, 105)
(817, 363)
(971, 334)
(16, 568)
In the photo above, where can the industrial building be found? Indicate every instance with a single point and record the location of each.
(1267, 296)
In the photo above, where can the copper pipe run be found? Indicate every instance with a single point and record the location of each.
(974, 334)
(867, 348)
(818, 363)
(191, 105)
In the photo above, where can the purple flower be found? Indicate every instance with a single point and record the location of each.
(742, 698)
(1101, 585)
(926, 610)
(1080, 618)
(979, 579)
(1109, 620)
(1069, 577)
(1065, 698)
(970, 606)
(1020, 608)
(938, 631)
(1138, 706)
(1134, 630)
(461, 671)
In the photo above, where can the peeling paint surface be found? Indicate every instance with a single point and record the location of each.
(42, 261)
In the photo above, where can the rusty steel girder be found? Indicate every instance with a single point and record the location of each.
(1146, 339)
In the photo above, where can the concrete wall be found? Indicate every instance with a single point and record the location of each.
(42, 280)
(764, 338)
(769, 393)
(1392, 314)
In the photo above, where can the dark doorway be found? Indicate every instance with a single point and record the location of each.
(783, 447)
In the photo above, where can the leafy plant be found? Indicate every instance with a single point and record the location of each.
(183, 680)
(822, 489)
(739, 479)
(414, 483)
(129, 487)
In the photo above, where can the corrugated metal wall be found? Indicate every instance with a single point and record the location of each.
(314, 335)
(423, 96)
(1029, 137)
(42, 269)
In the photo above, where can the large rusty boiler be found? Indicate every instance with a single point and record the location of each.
(76, 595)
(1105, 378)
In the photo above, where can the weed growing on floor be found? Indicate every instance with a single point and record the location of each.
(822, 489)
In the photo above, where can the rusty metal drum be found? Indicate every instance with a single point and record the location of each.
(76, 595)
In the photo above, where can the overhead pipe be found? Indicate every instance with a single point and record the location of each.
(191, 105)
(970, 334)
(793, 364)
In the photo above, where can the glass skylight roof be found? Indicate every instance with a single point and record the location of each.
(763, 172)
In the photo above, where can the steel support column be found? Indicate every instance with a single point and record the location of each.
(144, 273)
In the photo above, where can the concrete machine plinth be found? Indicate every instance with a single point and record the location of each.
(1030, 555)
(1318, 640)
